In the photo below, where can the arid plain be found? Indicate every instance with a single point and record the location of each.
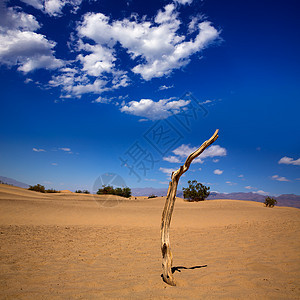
(74, 246)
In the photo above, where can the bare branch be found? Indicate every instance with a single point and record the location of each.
(167, 259)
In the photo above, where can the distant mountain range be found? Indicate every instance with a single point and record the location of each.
(13, 182)
(290, 200)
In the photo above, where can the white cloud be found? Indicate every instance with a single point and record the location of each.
(214, 150)
(21, 46)
(183, 2)
(100, 60)
(154, 45)
(183, 151)
(261, 192)
(154, 110)
(171, 159)
(279, 178)
(75, 82)
(38, 150)
(231, 183)
(13, 19)
(28, 80)
(248, 187)
(165, 87)
(54, 164)
(162, 50)
(65, 149)
(167, 171)
(179, 56)
(216, 160)
(53, 7)
(103, 100)
(218, 172)
(241, 176)
(289, 161)
(193, 25)
(38, 4)
(206, 102)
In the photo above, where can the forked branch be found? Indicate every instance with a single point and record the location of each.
(167, 259)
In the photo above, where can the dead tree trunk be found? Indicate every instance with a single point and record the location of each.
(168, 210)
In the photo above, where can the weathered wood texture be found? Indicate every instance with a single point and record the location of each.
(167, 259)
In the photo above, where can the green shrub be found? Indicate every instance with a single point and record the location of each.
(196, 191)
(52, 191)
(109, 190)
(270, 202)
(82, 192)
(37, 188)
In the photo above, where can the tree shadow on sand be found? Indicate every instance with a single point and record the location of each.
(179, 268)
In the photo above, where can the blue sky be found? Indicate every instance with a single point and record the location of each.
(131, 87)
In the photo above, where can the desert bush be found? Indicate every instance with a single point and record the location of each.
(152, 196)
(270, 202)
(52, 191)
(126, 192)
(82, 192)
(109, 190)
(37, 188)
(196, 191)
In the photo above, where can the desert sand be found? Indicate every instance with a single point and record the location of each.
(74, 246)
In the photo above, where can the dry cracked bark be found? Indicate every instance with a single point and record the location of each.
(167, 259)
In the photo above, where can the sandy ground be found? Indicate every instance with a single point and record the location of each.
(72, 246)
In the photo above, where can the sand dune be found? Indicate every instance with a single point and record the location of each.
(71, 246)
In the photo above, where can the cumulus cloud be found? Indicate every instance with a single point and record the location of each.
(154, 46)
(21, 46)
(53, 7)
(289, 161)
(215, 150)
(156, 42)
(279, 178)
(152, 110)
(218, 172)
(13, 19)
(184, 150)
(100, 60)
(75, 82)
